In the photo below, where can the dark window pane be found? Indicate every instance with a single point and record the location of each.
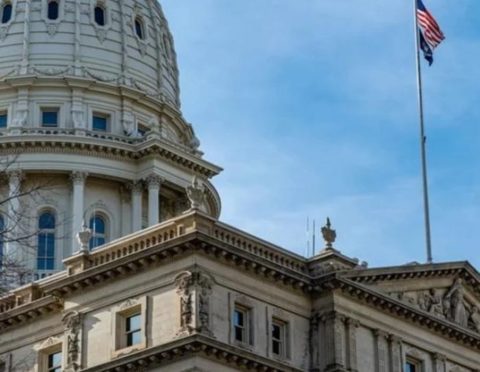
(3, 120)
(46, 221)
(99, 123)
(238, 334)
(6, 13)
(139, 28)
(53, 10)
(97, 224)
(276, 331)
(410, 367)
(50, 118)
(99, 16)
(276, 347)
(239, 318)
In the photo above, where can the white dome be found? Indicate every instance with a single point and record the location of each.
(129, 44)
(89, 106)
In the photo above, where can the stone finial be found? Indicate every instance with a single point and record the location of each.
(329, 235)
(196, 194)
(83, 238)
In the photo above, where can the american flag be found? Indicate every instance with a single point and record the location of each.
(430, 33)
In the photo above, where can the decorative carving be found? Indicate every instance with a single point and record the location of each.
(454, 299)
(194, 289)
(329, 235)
(83, 238)
(196, 194)
(128, 122)
(20, 117)
(78, 178)
(128, 304)
(154, 180)
(72, 322)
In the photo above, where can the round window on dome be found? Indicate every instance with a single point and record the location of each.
(53, 10)
(6, 12)
(139, 28)
(100, 15)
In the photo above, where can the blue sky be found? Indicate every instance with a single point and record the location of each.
(310, 106)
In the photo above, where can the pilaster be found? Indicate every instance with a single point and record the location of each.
(439, 363)
(334, 345)
(26, 39)
(352, 325)
(395, 353)
(381, 351)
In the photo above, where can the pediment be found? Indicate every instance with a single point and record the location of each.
(449, 292)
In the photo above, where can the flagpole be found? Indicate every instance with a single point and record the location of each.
(423, 140)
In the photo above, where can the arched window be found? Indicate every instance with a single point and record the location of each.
(6, 12)
(53, 8)
(46, 241)
(98, 225)
(100, 15)
(2, 228)
(139, 28)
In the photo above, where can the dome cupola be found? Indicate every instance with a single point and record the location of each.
(89, 106)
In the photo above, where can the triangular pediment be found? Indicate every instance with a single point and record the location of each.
(448, 291)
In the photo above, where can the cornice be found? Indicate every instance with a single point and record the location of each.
(30, 311)
(397, 308)
(461, 269)
(196, 345)
(105, 148)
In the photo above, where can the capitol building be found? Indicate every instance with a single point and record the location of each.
(111, 244)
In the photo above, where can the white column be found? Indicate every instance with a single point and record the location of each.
(125, 199)
(137, 191)
(15, 178)
(153, 182)
(78, 207)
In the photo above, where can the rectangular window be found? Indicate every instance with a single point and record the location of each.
(133, 330)
(100, 122)
(241, 324)
(413, 366)
(279, 338)
(3, 119)
(54, 362)
(50, 117)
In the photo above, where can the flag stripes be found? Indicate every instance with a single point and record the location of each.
(430, 33)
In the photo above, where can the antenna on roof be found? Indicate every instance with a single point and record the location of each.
(313, 240)
(307, 252)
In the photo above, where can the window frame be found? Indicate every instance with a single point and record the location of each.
(139, 27)
(55, 346)
(120, 314)
(48, 232)
(4, 5)
(284, 340)
(46, 110)
(101, 115)
(4, 112)
(49, 2)
(247, 328)
(416, 363)
(102, 6)
(98, 235)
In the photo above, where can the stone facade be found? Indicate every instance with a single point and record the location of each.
(131, 278)
(188, 278)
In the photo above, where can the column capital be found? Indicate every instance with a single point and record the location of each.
(135, 186)
(154, 180)
(78, 177)
(15, 175)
